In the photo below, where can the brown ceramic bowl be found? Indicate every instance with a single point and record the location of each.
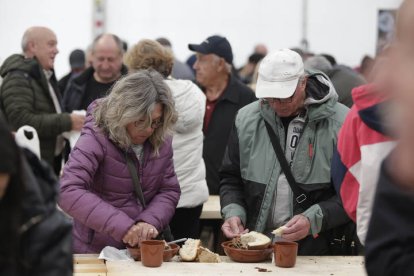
(135, 252)
(246, 255)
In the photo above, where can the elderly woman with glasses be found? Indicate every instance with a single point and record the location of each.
(187, 144)
(132, 125)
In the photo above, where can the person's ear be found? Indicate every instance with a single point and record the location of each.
(221, 65)
(31, 46)
(304, 81)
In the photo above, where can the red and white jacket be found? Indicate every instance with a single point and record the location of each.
(362, 145)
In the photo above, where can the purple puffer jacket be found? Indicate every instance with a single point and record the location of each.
(97, 190)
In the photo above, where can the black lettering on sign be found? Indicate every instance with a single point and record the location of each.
(297, 130)
(294, 141)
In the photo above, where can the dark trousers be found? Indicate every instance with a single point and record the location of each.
(57, 165)
(186, 222)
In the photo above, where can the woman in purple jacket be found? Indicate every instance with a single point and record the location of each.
(97, 189)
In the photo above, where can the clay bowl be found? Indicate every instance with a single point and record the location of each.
(246, 255)
(135, 252)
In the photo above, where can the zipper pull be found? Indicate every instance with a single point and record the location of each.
(310, 149)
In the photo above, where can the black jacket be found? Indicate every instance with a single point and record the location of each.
(45, 239)
(76, 89)
(235, 96)
(26, 100)
(390, 240)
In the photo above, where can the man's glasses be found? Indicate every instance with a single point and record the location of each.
(273, 100)
(154, 125)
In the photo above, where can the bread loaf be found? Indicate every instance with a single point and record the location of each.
(279, 231)
(188, 252)
(254, 240)
(206, 256)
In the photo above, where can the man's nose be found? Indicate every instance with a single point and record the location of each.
(105, 64)
(195, 65)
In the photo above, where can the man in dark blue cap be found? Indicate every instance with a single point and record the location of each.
(77, 66)
(225, 96)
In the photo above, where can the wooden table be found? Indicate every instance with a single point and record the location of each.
(327, 265)
(211, 208)
(88, 265)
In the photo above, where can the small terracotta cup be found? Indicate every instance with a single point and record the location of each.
(285, 253)
(152, 252)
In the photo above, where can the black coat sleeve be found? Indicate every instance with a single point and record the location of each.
(390, 238)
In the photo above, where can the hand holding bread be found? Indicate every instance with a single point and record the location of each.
(233, 227)
(295, 229)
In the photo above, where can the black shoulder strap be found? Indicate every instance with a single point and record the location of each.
(134, 174)
(300, 195)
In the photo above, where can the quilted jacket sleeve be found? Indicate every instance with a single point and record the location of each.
(79, 201)
(25, 103)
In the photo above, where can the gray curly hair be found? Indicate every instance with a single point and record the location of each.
(133, 97)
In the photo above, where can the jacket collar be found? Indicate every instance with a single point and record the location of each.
(88, 74)
(231, 91)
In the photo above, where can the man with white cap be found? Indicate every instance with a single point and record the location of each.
(284, 180)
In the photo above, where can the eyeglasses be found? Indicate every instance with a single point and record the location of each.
(154, 125)
(286, 100)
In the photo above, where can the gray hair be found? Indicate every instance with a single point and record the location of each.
(319, 63)
(118, 42)
(134, 97)
(227, 66)
(25, 41)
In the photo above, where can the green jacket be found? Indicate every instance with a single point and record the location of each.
(25, 100)
(250, 169)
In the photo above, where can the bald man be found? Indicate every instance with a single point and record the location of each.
(29, 93)
(94, 82)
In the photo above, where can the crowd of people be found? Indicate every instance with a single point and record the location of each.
(290, 139)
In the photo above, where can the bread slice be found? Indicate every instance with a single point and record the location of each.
(189, 250)
(279, 231)
(206, 256)
(254, 240)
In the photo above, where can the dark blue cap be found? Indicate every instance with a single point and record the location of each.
(215, 44)
(77, 59)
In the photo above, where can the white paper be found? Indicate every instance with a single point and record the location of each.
(110, 253)
(73, 135)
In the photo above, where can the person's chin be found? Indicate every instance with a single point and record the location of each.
(139, 140)
(106, 76)
(284, 114)
(200, 80)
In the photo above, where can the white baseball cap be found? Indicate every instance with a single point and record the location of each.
(279, 73)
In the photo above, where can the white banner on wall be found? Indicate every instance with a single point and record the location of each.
(99, 17)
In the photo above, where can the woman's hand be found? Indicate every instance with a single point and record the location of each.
(139, 232)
